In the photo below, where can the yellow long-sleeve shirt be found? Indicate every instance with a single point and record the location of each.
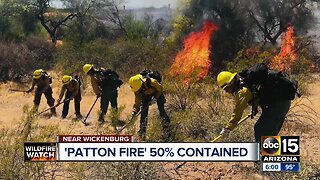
(73, 87)
(242, 97)
(155, 89)
(42, 83)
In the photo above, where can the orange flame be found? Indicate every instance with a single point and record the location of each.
(287, 56)
(194, 58)
(44, 159)
(54, 158)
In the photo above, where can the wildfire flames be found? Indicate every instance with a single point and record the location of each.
(193, 60)
(287, 56)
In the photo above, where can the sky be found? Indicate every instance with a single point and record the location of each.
(148, 3)
(133, 4)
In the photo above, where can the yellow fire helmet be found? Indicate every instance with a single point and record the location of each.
(37, 74)
(66, 79)
(87, 68)
(135, 82)
(224, 78)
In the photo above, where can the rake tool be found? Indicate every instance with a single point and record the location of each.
(216, 139)
(241, 120)
(17, 90)
(133, 119)
(84, 121)
(50, 108)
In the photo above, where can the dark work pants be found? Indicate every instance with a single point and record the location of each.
(48, 95)
(108, 95)
(144, 114)
(271, 119)
(76, 99)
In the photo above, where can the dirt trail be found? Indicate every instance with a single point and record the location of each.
(12, 103)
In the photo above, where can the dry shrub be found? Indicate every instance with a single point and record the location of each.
(18, 60)
(12, 164)
(198, 111)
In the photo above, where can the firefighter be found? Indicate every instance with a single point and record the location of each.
(148, 91)
(273, 112)
(105, 84)
(71, 90)
(43, 80)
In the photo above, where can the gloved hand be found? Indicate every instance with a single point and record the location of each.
(225, 132)
(153, 101)
(29, 91)
(58, 101)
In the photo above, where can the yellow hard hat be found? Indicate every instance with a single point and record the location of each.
(87, 68)
(224, 78)
(66, 79)
(135, 82)
(37, 73)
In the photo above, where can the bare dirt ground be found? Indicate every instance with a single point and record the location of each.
(11, 111)
(12, 103)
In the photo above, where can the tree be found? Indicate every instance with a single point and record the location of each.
(49, 19)
(10, 26)
(234, 31)
(243, 23)
(108, 10)
(273, 16)
(81, 26)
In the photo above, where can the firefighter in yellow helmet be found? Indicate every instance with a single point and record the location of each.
(43, 80)
(71, 90)
(147, 91)
(105, 84)
(273, 112)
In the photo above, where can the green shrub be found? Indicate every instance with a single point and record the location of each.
(126, 57)
(248, 57)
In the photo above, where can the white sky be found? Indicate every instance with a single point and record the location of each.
(131, 4)
(149, 3)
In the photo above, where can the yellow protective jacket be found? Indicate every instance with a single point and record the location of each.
(155, 89)
(43, 83)
(72, 87)
(242, 98)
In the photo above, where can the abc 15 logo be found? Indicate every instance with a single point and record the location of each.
(280, 145)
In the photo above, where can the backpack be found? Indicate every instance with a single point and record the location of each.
(78, 78)
(147, 73)
(270, 84)
(110, 78)
(48, 76)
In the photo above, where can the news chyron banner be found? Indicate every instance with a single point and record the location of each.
(123, 148)
(280, 153)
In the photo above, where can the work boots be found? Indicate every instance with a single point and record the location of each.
(79, 116)
(101, 118)
(53, 112)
